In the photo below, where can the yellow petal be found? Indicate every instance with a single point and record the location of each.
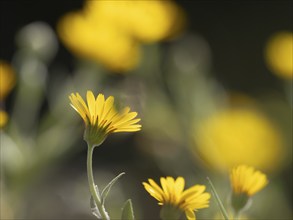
(134, 126)
(155, 186)
(179, 186)
(171, 189)
(256, 183)
(128, 129)
(107, 108)
(245, 179)
(91, 105)
(82, 102)
(127, 123)
(77, 106)
(192, 191)
(198, 202)
(172, 193)
(153, 192)
(126, 118)
(100, 106)
(190, 215)
(164, 185)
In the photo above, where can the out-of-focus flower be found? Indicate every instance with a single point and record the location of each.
(172, 196)
(102, 118)
(3, 118)
(245, 182)
(109, 32)
(278, 54)
(147, 21)
(239, 135)
(7, 79)
(98, 41)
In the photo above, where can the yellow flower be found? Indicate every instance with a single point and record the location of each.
(102, 118)
(278, 54)
(109, 32)
(239, 135)
(7, 79)
(246, 180)
(172, 194)
(147, 21)
(98, 41)
(3, 118)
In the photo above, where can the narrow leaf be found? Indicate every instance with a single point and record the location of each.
(97, 191)
(218, 200)
(94, 208)
(127, 211)
(106, 190)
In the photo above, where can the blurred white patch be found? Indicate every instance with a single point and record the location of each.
(190, 53)
(40, 38)
(12, 158)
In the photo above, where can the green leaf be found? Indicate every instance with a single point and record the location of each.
(106, 190)
(218, 200)
(94, 208)
(127, 211)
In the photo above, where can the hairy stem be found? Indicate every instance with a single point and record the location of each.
(92, 184)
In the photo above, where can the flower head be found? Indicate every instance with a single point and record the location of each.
(246, 180)
(240, 136)
(147, 21)
(102, 118)
(98, 41)
(111, 32)
(3, 118)
(279, 54)
(7, 79)
(172, 194)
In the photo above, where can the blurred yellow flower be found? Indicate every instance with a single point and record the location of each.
(172, 194)
(239, 135)
(246, 180)
(109, 32)
(7, 79)
(101, 117)
(3, 118)
(278, 54)
(98, 41)
(148, 21)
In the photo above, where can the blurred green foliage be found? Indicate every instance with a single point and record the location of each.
(175, 88)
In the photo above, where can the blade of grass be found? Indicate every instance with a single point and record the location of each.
(219, 202)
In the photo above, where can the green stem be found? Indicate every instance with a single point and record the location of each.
(236, 217)
(219, 202)
(92, 184)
